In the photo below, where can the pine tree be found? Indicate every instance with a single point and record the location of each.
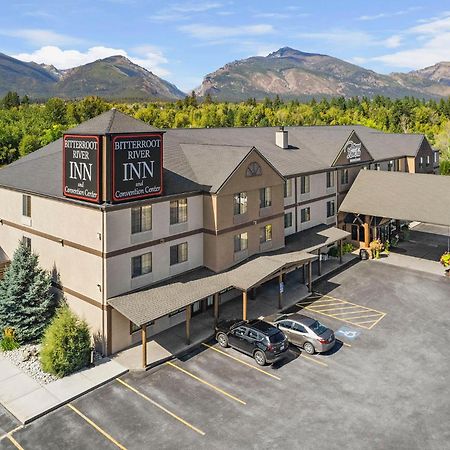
(26, 302)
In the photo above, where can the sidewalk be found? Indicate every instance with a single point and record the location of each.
(171, 343)
(27, 400)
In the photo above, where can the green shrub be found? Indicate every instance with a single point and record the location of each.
(66, 346)
(8, 341)
(333, 252)
(347, 248)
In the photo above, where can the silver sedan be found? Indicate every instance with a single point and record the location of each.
(305, 332)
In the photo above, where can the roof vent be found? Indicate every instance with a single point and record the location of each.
(281, 138)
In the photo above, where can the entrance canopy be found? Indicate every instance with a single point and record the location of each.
(145, 306)
(399, 195)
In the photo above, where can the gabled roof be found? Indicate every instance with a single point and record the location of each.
(112, 122)
(399, 195)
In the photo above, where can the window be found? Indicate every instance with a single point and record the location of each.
(253, 170)
(305, 215)
(304, 184)
(240, 242)
(428, 160)
(286, 324)
(141, 265)
(26, 205)
(331, 211)
(252, 334)
(178, 211)
(288, 188)
(178, 253)
(265, 197)
(390, 166)
(288, 220)
(421, 162)
(26, 241)
(299, 328)
(141, 219)
(377, 166)
(330, 180)
(240, 203)
(265, 234)
(344, 176)
(436, 156)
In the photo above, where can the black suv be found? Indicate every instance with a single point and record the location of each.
(259, 339)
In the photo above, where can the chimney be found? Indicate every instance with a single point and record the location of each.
(281, 138)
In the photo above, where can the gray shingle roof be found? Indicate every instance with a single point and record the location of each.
(112, 122)
(399, 195)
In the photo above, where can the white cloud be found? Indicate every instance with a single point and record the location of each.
(37, 36)
(392, 14)
(393, 41)
(430, 44)
(340, 37)
(183, 11)
(148, 57)
(211, 32)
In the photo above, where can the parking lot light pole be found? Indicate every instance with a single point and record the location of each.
(188, 324)
(244, 305)
(144, 345)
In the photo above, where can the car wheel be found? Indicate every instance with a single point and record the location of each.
(260, 358)
(309, 348)
(222, 339)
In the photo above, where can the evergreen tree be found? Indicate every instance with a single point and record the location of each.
(26, 302)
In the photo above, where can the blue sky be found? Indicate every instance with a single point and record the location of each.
(182, 41)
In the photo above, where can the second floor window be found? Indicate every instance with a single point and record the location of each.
(305, 215)
(26, 205)
(331, 211)
(288, 220)
(178, 211)
(240, 242)
(304, 184)
(178, 253)
(288, 188)
(265, 234)
(141, 219)
(240, 203)
(265, 197)
(330, 180)
(141, 265)
(344, 176)
(26, 241)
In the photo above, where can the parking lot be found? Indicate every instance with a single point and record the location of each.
(385, 385)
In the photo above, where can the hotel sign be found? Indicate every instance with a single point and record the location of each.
(353, 151)
(81, 167)
(137, 166)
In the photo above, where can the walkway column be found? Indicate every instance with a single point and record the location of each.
(341, 250)
(304, 273)
(366, 232)
(280, 290)
(144, 345)
(310, 276)
(188, 324)
(319, 262)
(216, 308)
(244, 305)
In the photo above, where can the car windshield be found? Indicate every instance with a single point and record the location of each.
(318, 328)
(276, 337)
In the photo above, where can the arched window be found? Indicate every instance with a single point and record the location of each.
(253, 170)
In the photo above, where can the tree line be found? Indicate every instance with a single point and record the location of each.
(27, 126)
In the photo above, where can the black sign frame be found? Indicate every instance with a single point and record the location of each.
(114, 183)
(97, 172)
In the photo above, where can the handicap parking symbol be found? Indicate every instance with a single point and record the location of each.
(348, 332)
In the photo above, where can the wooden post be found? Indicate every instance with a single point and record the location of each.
(310, 276)
(144, 345)
(340, 251)
(319, 262)
(244, 305)
(366, 227)
(280, 287)
(188, 324)
(216, 308)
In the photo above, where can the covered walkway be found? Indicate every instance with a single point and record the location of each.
(145, 306)
(378, 195)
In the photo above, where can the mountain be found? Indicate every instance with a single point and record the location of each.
(113, 77)
(291, 73)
